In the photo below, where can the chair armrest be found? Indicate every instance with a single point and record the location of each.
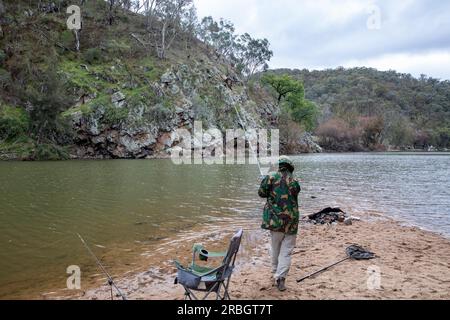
(215, 254)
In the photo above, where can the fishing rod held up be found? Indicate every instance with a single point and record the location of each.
(110, 279)
(254, 152)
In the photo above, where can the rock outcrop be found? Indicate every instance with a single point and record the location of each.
(309, 144)
(121, 127)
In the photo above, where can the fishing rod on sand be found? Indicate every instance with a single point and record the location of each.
(111, 282)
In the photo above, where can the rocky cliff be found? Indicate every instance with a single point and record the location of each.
(128, 126)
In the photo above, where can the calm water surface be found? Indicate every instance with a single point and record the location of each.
(116, 204)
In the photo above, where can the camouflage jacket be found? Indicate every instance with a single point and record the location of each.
(281, 212)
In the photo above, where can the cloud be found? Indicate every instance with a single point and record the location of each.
(326, 33)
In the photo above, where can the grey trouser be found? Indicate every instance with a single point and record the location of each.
(282, 247)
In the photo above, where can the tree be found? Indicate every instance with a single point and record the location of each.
(149, 8)
(249, 55)
(303, 112)
(111, 11)
(283, 85)
(401, 133)
(189, 24)
(252, 55)
(113, 5)
(46, 94)
(170, 14)
(129, 4)
(219, 35)
(290, 95)
(206, 30)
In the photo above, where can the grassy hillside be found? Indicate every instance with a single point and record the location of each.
(113, 94)
(403, 111)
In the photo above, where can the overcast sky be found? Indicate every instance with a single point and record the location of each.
(411, 36)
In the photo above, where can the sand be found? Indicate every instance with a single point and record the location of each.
(411, 264)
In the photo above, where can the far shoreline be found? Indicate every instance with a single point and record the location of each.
(168, 157)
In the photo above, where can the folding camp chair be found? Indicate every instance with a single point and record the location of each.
(208, 280)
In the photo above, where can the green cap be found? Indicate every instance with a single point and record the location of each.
(285, 160)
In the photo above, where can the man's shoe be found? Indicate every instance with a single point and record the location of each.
(281, 284)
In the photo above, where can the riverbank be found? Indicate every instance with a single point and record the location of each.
(414, 264)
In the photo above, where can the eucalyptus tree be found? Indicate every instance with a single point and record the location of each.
(252, 55)
(169, 14)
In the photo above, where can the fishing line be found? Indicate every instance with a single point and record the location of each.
(249, 142)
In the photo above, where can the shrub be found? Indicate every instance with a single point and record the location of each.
(93, 55)
(159, 115)
(117, 48)
(401, 133)
(422, 139)
(290, 133)
(113, 115)
(5, 78)
(202, 110)
(14, 122)
(442, 137)
(337, 135)
(2, 56)
(50, 152)
(67, 38)
(372, 129)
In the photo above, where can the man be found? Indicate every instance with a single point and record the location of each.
(281, 217)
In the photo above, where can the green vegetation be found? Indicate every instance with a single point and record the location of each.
(114, 116)
(14, 123)
(290, 95)
(366, 109)
(283, 85)
(50, 152)
(93, 56)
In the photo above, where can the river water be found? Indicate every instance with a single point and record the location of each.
(116, 205)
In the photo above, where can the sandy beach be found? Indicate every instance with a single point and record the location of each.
(412, 263)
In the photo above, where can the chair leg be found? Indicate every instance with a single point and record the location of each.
(212, 290)
(189, 295)
(217, 288)
(219, 293)
(227, 295)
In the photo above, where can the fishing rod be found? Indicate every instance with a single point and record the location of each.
(110, 279)
(254, 152)
(354, 252)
